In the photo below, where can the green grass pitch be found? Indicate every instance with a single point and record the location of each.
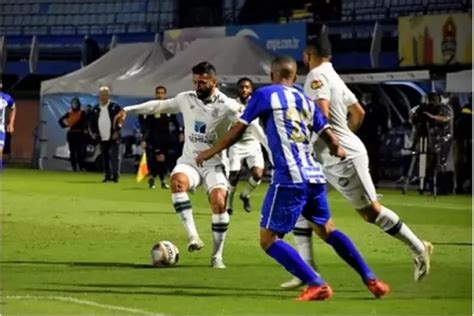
(72, 245)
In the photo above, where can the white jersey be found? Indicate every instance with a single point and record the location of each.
(204, 123)
(248, 139)
(323, 82)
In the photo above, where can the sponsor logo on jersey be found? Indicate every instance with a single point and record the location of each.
(200, 127)
(343, 182)
(316, 84)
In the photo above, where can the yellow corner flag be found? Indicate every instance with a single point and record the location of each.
(142, 168)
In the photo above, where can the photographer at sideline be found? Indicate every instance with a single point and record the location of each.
(434, 120)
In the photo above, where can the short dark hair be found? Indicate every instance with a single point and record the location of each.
(321, 46)
(285, 66)
(245, 79)
(204, 68)
(161, 87)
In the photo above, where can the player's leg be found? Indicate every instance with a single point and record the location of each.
(302, 234)
(317, 212)
(358, 188)
(2, 144)
(281, 207)
(235, 164)
(256, 164)
(215, 182)
(183, 179)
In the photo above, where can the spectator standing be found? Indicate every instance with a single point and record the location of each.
(75, 120)
(107, 132)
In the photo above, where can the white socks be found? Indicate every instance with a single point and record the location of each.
(220, 223)
(183, 209)
(391, 224)
(250, 186)
(303, 240)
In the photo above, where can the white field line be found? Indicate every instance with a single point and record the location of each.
(82, 302)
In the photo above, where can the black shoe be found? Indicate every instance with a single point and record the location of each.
(151, 183)
(114, 179)
(105, 180)
(230, 211)
(246, 202)
(164, 186)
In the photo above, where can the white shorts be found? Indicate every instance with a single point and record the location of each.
(252, 155)
(352, 179)
(210, 177)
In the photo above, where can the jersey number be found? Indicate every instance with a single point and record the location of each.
(297, 135)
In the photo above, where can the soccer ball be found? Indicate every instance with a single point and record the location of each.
(164, 253)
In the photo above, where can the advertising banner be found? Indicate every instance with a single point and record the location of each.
(280, 39)
(435, 39)
(179, 39)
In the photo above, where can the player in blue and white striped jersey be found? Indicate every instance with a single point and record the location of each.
(298, 184)
(6, 102)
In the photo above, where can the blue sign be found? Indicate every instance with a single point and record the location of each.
(280, 39)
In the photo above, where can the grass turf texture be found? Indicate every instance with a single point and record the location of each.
(73, 245)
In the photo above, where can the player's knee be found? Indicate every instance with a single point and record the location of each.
(257, 174)
(370, 212)
(266, 240)
(323, 231)
(179, 183)
(233, 178)
(217, 199)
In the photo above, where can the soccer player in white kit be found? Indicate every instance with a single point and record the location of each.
(350, 177)
(207, 114)
(248, 149)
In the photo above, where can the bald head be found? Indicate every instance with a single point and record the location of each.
(284, 70)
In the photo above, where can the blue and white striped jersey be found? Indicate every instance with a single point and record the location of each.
(6, 101)
(288, 118)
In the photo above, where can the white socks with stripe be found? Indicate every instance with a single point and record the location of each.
(391, 224)
(182, 206)
(220, 224)
(250, 186)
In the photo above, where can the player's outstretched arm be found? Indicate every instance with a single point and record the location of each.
(151, 107)
(229, 138)
(331, 140)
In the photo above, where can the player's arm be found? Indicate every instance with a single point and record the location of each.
(317, 89)
(149, 108)
(11, 121)
(252, 111)
(229, 138)
(324, 130)
(356, 116)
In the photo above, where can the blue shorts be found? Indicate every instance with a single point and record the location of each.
(284, 203)
(2, 139)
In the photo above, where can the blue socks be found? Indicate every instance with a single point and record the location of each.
(347, 251)
(288, 257)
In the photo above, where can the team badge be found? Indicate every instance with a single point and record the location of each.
(316, 84)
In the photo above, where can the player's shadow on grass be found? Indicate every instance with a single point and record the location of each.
(124, 265)
(460, 244)
(179, 291)
(85, 264)
(84, 181)
(150, 213)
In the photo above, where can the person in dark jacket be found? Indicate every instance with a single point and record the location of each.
(159, 136)
(75, 120)
(104, 129)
